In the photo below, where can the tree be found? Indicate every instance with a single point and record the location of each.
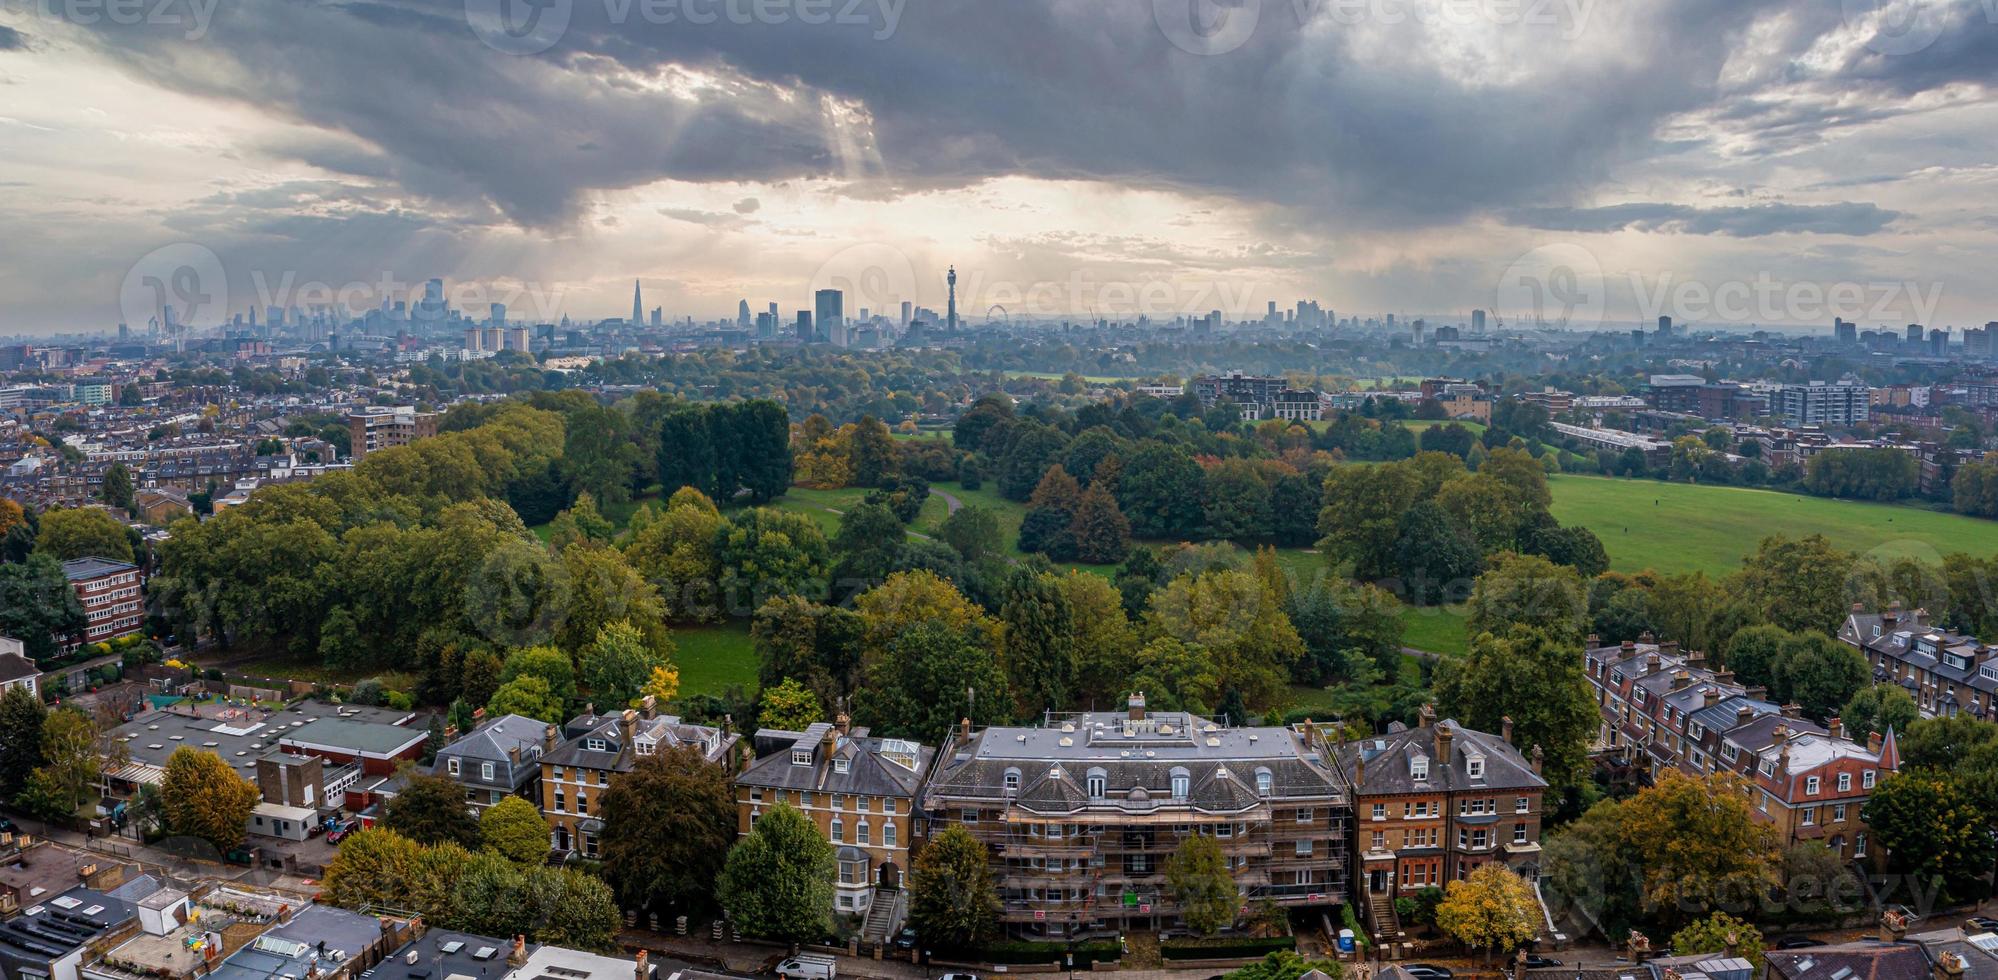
(676, 789)
(766, 553)
(1235, 619)
(203, 797)
(38, 606)
(376, 866)
(573, 909)
(1433, 555)
(1491, 909)
(1035, 446)
(1877, 708)
(85, 532)
(1697, 842)
(1538, 682)
(1198, 879)
(917, 686)
(528, 697)
(603, 589)
(1361, 520)
(872, 452)
(1756, 653)
(1820, 673)
(870, 536)
(118, 486)
(70, 764)
(431, 810)
(1933, 828)
(790, 706)
(953, 904)
(546, 663)
(1721, 933)
(21, 719)
(619, 664)
(1102, 638)
(1039, 649)
(514, 829)
(778, 882)
(817, 646)
(1101, 534)
(1528, 590)
(972, 531)
(1285, 964)
(677, 553)
(1798, 584)
(1159, 492)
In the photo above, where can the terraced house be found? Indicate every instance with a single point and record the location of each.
(579, 759)
(1947, 673)
(1434, 803)
(1082, 813)
(1662, 709)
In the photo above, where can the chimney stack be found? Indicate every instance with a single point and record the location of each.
(1836, 727)
(1893, 926)
(1505, 729)
(1950, 966)
(1651, 664)
(842, 724)
(518, 956)
(548, 738)
(643, 972)
(1875, 742)
(1594, 641)
(1712, 697)
(650, 707)
(1647, 638)
(1426, 716)
(964, 729)
(1443, 737)
(627, 725)
(1136, 706)
(1539, 759)
(1724, 676)
(1743, 715)
(1793, 710)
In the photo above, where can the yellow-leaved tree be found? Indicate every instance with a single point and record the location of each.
(1492, 909)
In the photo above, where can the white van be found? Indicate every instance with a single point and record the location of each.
(809, 966)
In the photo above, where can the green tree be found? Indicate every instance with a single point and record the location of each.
(70, 765)
(1238, 622)
(872, 452)
(1932, 827)
(605, 589)
(85, 532)
(917, 686)
(1491, 909)
(1159, 492)
(376, 866)
(514, 829)
(431, 810)
(1099, 529)
(1197, 878)
(546, 663)
(118, 486)
(1528, 590)
(973, 532)
(767, 553)
(21, 718)
(573, 909)
(1035, 447)
(1039, 647)
(658, 871)
(778, 881)
(1434, 556)
(1536, 681)
(1361, 520)
(1799, 584)
(203, 797)
(1756, 654)
(38, 606)
(818, 646)
(869, 540)
(790, 706)
(1721, 933)
(1820, 673)
(1877, 708)
(953, 903)
(687, 452)
(617, 666)
(529, 697)
(678, 554)
(1285, 964)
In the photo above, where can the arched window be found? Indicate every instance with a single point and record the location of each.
(1012, 781)
(1182, 783)
(1099, 784)
(1265, 782)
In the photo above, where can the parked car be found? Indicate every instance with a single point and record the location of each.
(6, 826)
(1535, 961)
(1427, 971)
(809, 966)
(1798, 942)
(906, 939)
(958, 976)
(1984, 922)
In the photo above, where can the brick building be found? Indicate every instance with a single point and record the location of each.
(112, 593)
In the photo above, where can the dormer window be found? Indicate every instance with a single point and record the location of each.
(1265, 783)
(452, 765)
(596, 745)
(841, 765)
(1475, 767)
(801, 757)
(1418, 767)
(1012, 781)
(644, 746)
(1098, 783)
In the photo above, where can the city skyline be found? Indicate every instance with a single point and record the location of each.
(1391, 159)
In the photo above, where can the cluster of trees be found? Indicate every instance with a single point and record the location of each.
(1426, 527)
(1863, 474)
(1068, 523)
(53, 756)
(1806, 668)
(1936, 816)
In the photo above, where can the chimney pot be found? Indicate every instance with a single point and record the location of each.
(650, 707)
(1793, 710)
(548, 737)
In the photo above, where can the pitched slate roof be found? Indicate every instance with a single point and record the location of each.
(14, 667)
(1389, 762)
(873, 766)
(1850, 961)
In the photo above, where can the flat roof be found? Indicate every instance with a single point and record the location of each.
(351, 736)
(441, 954)
(239, 734)
(79, 569)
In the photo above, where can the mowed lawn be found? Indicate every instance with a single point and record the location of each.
(711, 658)
(1680, 527)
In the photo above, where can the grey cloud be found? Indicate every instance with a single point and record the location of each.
(748, 205)
(1738, 222)
(12, 40)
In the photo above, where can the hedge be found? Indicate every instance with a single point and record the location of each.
(1224, 947)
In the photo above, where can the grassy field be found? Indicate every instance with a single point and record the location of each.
(711, 658)
(1417, 425)
(1677, 527)
(1437, 630)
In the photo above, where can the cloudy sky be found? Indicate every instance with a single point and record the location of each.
(1724, 161)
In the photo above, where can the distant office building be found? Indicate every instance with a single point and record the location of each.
(1842, 402)
(1914, 333)
(1477, 321)
(831, 307)
(805, 326)
(516, 339)
(1844, 332)
(378, 427)
(1939, 343)
(498, 315)
(908, 313)
(110, 593)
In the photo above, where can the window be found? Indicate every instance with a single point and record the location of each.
(838, 831)
(1859, 845)
(1264, 782)
(888, 834)
(1304, 815)
(1380, 840)
(1519, 833)
(560, 806)
(804, 800)
(1845, 782)
(1304, 848)
(801, 757)
(1866, 779)
(1012, 781)
(1521, 805)
(861, 835)
(1099, 784)
(1380, 811)
(595, 745)
(840, 765)
(1180, 784)
(1475, 767)
(1418, 768)
(1810, 815)
(486, 771)
(582, 803)
(452, 766)
(968, 816)
(1838, 813)
(863, 803)
(838, 802)
(1811, 785)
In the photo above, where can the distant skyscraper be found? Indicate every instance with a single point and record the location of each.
(1477, 321)
(742, 314)
(908, 312)
(804, 326)
(1664, 326)
(951, 317)
(1844, 332)
(1914, 333)
(831, 305)
(637, 304)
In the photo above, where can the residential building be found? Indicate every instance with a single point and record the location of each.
(1435, 802)
(1554, 400)
(1295, 405)
(578, 761)
(112, 597)
(1946, 672)
(382, 427)
(377, 747)
(50, 938)
(161, 506)
(1082, 813)
(499, 759)
(16, 670)
(860, 791)
(439, 954)
(1662, 709)
(559, 963)
(1461, 400)
(1863, 960)
(1844, 402)
(1238, 388)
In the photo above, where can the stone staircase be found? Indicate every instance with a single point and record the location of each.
(1381, 916)
(883, 916)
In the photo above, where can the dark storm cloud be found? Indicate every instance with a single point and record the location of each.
(12, 40)
(1737, 222)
